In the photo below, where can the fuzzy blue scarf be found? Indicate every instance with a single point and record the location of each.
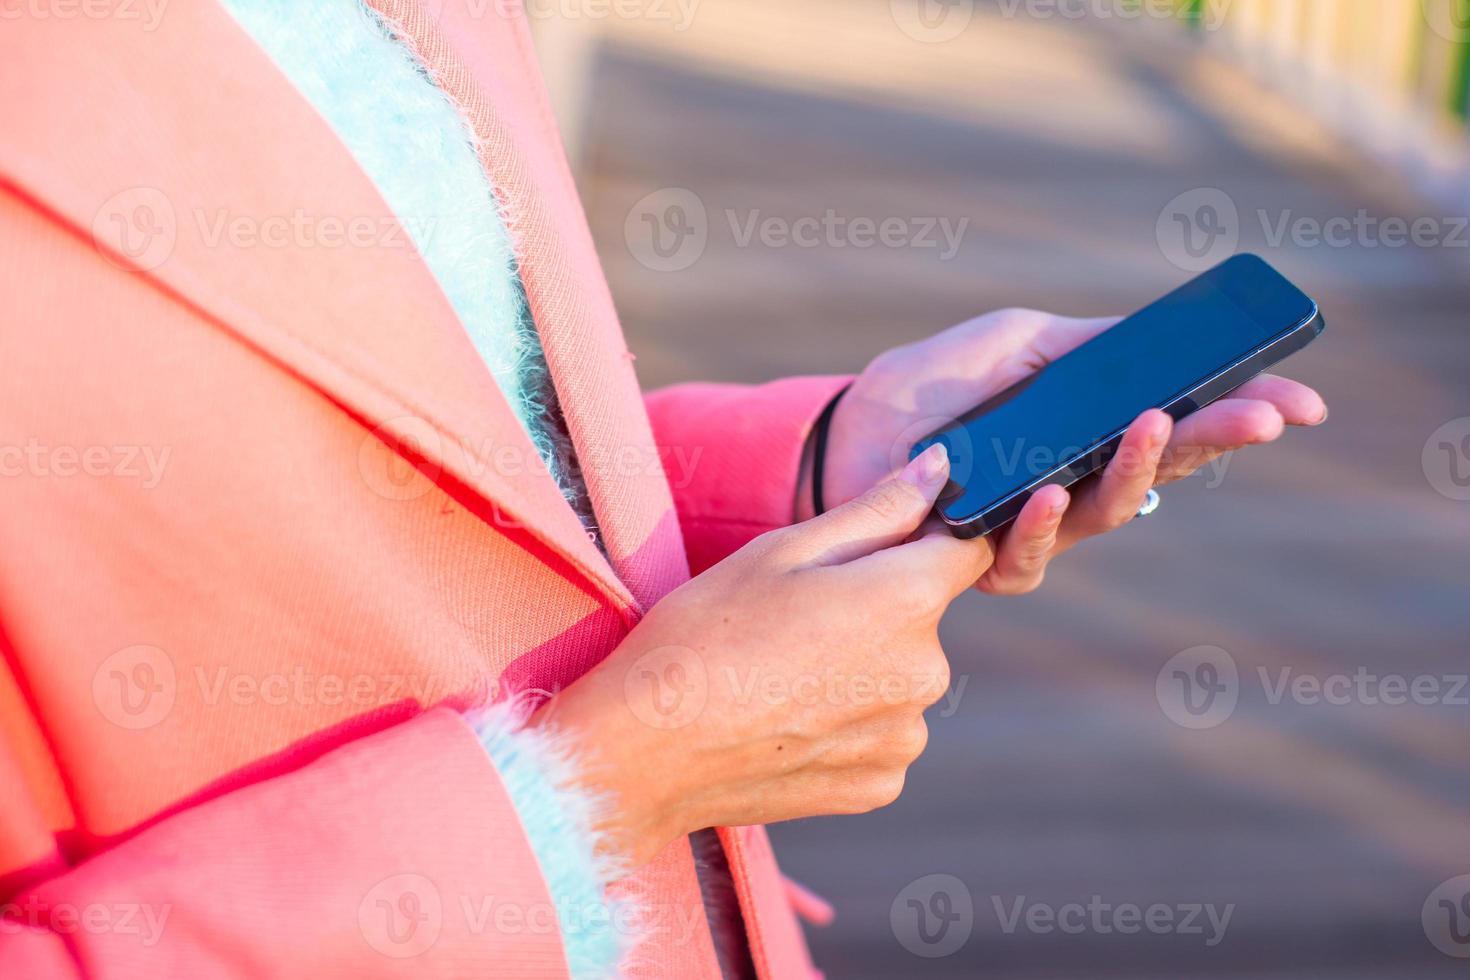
(414, 145)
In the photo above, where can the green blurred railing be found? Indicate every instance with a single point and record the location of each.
(1392, 74)
(1406, 51)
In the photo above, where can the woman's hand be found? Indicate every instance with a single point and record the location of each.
(909, 392)
(787, 681)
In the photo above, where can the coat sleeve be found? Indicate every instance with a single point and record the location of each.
(732, 454)
(400, 854)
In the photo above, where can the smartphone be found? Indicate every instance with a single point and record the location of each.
(1064, 423)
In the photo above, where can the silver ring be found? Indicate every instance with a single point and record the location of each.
(1150, 503)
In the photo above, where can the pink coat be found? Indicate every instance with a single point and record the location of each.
(274, 526)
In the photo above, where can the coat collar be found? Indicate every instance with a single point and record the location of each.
(187, 158)
(482, 57)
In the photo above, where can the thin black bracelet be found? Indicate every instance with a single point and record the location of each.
(819, 451)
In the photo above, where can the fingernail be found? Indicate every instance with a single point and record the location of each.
(1323, 418)
(928, 468)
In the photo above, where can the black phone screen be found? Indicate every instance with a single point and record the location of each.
(1089, 395)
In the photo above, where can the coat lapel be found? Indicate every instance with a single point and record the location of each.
(487, 65)
(185, 155)
(489, 68)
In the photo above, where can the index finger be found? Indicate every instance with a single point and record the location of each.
(1298, 404)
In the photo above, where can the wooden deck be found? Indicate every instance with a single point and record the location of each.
(1059, 778)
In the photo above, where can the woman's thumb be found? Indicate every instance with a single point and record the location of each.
(880, 518)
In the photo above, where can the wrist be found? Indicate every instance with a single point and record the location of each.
(803, 507)
(811, 490)
(620, 761)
